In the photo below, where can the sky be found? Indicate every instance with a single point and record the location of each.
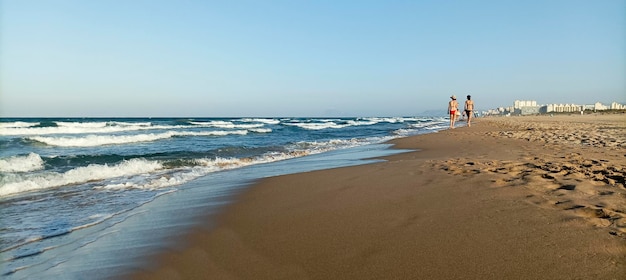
(132, 58)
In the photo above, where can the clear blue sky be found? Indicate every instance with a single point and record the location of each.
(304, 58)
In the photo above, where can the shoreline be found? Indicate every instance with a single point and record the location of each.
(505, 198)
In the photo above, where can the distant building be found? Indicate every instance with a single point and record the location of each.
(529, 110)
(589, 107)
(562, 108)
(526, 107)
(614, 106)
(524, 103)
(599, 106)
(530, 107)
(617, 106)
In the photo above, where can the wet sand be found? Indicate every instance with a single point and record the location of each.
(508, 198)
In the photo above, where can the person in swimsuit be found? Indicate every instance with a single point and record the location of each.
(453, 106)
(469, 109)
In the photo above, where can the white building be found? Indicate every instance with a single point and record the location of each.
(614, 106)
(530, 107)
(617, 106)
(525, 107)
(524, 103)
(599, 106)
(561, 108)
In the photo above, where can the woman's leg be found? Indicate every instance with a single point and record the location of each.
(452, 118)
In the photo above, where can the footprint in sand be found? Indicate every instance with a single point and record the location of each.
(591, 189)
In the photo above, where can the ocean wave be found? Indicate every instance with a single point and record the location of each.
(398, 119)
(320, 124)
(211, 123)
(315, 147)
(195, 168)
(84, 128)
(225, 124)
(20, 183)
(387, 120)
(436, 127)
(113, 127)
(420, 127)
(362, 122)
(132, 124)
(317, 125)
(102, 140)
(101, 124)
(258, 120)
(168, 179)
(231, 163)
(260, 130)
(17, 124)
(82, 124)
(428, 124)
(68, 130)
(27, 163)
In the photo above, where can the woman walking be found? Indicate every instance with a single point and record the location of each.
(453, 107)
(469, 109)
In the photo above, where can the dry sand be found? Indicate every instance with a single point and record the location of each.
(508, 198)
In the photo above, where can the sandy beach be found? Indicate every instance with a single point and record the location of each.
(508, 198)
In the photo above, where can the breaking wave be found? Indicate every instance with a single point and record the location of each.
(102, 140)
(27, 163)
(17, 183)
(226, 124)
(18, 124)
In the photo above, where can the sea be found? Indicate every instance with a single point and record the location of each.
(92, 197)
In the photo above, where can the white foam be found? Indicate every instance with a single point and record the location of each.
(217, 164)
(165, 180)
(102, 140)
(249, 126)
(82, 124)
(231, 125)
(435, 127)
(403, 132)
(318, 126)
(332, 123)
(397, 119)
(17, 124)
(131, 123)
(360, 122)
(175, 179)
(95, 172)
(204, 166)
(388, 120)
(100, 124)
(222, 124)
(265, 121)
(420, 125)
(314, 147)
(27, 163)
(87, 128)
(144, 174)
(98, 140)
